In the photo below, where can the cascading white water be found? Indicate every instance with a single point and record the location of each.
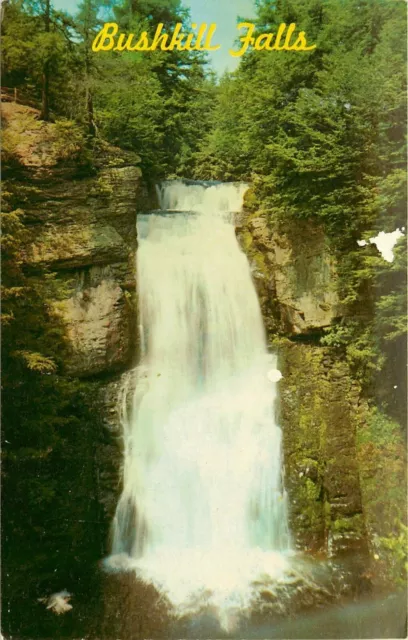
(203, 505)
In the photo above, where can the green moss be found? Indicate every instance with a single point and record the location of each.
(259, 260)
(102, 187)
(251, 201)
(319, 446)
(69, 143)
(382, 465)
(354, 523)
(327, 514)
(312, 490)
(308, 496)
(393, 551)
(246, 239)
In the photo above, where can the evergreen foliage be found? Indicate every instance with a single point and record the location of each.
(157, 104)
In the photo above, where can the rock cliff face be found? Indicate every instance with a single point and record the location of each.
(295, 275)
(87, 235)
(86, 232)
(82, 219)
(319, 417)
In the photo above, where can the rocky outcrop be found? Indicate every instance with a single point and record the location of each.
(87, 234)
(295, 274)
(81, 208)
(100, 324)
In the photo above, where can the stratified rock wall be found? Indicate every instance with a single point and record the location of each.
(295, 275)
(294, 272)
(85, 230)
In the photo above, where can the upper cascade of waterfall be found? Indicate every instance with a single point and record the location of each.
(205, 197)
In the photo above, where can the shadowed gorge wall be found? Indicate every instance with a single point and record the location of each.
(62, 464)
(326, 417)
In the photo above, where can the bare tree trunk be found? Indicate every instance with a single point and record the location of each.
(90, 110)
(3, 8)
(45, 99)
(88, 93)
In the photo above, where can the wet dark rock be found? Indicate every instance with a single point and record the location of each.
(133, 609)
(319, 431)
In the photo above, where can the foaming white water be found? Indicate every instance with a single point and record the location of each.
(215, 199)
(203, 506)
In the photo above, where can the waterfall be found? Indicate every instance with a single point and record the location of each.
(203, 504)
